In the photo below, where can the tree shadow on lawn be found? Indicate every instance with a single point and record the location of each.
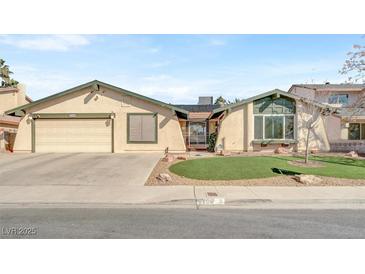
(284, 171)
(331, 160)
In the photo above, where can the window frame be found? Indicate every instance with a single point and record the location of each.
(337, 102)
(360, 132)
(284, 126)
(155, 115)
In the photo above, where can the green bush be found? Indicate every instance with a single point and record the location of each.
(211, 141)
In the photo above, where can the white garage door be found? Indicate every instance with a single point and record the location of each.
(73, 135)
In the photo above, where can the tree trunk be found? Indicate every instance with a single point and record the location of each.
(307, 147)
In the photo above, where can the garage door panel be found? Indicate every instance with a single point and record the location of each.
(73, 135)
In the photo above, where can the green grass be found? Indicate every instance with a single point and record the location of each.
(235, 168)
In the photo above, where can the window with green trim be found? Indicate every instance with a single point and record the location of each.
(356, 131)
(269, 127)
(142, 127)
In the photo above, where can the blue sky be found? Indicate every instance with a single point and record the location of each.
(176, 68)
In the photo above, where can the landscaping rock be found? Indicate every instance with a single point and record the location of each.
(164, 178)
(281, 150)
(182, 157)
(308, 179)
(169, 158)
(352, 154)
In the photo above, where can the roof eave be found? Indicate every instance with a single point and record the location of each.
(68, 91)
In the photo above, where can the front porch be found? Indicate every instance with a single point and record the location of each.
(196, 133)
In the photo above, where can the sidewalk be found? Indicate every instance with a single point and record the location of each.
(248, 197)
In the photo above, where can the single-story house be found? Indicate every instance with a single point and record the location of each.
(99, 117)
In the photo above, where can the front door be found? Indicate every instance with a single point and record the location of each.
(197, 133)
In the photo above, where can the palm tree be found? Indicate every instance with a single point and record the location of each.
(5, 72)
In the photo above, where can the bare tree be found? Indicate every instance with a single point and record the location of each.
(354, 68)
(311, 114)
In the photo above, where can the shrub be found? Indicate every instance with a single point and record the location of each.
(211, 142)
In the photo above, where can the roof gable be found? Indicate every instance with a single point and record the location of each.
(277, 92)
(18, 110)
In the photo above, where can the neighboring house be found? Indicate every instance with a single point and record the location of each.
(98, 117)
(10, 97)
(346, 129)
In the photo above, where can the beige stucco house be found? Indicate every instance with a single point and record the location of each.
(98, 117)
(270, 120)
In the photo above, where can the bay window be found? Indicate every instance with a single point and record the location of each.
(274, 119)
(274, 127)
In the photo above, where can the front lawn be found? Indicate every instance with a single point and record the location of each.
(236, 168)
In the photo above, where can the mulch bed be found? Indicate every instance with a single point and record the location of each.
(163, 167)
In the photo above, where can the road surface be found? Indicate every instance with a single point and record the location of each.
(169, 223)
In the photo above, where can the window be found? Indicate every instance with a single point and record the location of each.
(142, 128)
(342, 99)
(274, 127)
(259, 134)
(289, 127)
(356, 131)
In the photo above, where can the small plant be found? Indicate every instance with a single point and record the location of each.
(211, 142)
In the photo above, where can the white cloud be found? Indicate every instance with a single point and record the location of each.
(158, 64)
(217, 42)
(46, 42)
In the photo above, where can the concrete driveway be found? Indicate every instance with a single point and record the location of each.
(77, 169)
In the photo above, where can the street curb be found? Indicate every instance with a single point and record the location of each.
(192, 204)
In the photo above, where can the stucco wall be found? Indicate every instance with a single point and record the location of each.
(303, 92)
(237, 131)
(8, 100)
(318, 137)
(12, 97)
(230, 136)
(106, 101)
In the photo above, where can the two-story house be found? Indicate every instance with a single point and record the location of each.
(10, 97)
(346, 129)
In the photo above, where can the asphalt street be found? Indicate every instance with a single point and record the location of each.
(167, 223)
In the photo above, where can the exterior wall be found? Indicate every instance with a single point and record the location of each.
(106, 101)
(333, 127)
(8, 100)
(12, 97)
(318, 138)
(323, 95)
(231, 131)
(304, 92)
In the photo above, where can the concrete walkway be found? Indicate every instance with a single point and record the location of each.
(250, 197)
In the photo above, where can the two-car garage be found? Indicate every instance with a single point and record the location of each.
(77, 134)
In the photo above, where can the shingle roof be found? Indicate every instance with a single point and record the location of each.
(346, 112)
(198, 108)
(15, 111)
(331, 86)
(6, 119)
